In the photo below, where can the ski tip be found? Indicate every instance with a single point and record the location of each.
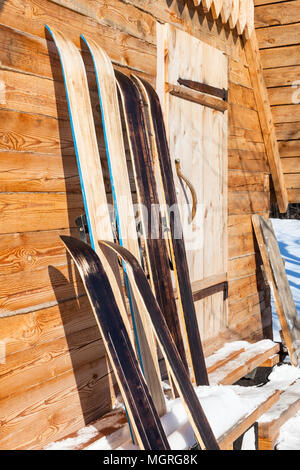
(72, 244)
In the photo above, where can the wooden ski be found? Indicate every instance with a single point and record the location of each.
(156, 250)
(157, 136)
(94, 195)
(139, 404)
(186, 391)
(88, 158)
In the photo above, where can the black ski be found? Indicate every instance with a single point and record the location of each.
(156, 249)
(156, 125)
(194, 410)
(139, 405)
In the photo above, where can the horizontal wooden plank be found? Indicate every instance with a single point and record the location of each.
(250, 135)
(33, 172)
(28, 212)
(265, 2)
(242, 266)
(240, 180)
(219, 359)
(56, 408)
(123, 16)
(247, 160)
(241, 143)
(241, 95)
(292, 180)
(271, 361)
(280, 56)
(38, 289)
(286, 131)
(290, 148)
(277, 14)
(283, 95)
(32, 94)
(240, 116)
(26, 252)
(294, 195)
(247, 361)
(278, 36)
(33, 133)
(290, 165)
(42, 362)
(286, 113)
(238, 73)
(244, 202)
(22, 332)
(240, 245)
(244, 287)
(123, 48)
(246, 307)
(238, 224)
(281, 76)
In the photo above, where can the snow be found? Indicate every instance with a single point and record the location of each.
(289, 438)
(83, 436)
(224, 406)
(288, 237)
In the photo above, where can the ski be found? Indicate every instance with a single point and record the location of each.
(95, 201)
(123, 205)
(156, 250)
(197, 418)
(139, 404)
(157, 135)
(88, 158)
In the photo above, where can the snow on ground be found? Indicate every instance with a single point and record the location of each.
(288, 237)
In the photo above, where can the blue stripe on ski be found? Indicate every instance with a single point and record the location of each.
(85, 201)
(75, 145)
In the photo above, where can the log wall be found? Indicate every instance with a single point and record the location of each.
(55, 377)
(278, 28)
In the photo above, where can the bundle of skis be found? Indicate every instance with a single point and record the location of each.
(153, 306)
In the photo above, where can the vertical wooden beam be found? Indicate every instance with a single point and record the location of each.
(266, 120)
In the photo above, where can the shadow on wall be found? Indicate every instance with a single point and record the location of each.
(85, 344)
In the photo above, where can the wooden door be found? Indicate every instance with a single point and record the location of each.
(198, 138)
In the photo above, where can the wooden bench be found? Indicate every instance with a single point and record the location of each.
(226, 366)
(270, 423)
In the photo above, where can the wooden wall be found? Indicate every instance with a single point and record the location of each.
(278, 32)
(56, 378)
